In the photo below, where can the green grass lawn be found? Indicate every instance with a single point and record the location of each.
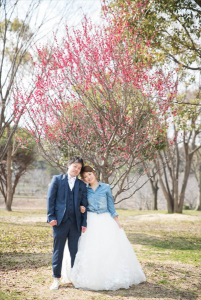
(168, 247)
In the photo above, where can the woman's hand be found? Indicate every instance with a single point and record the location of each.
(84, 229)
(82, 209)
(117, 220)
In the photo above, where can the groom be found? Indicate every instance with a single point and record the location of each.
(65, 196)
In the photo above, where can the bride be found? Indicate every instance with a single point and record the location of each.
(105, 259)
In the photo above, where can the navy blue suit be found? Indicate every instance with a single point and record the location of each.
(63, 205)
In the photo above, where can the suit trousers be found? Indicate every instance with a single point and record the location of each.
(65, 230)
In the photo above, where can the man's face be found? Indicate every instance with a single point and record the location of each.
(74, 169)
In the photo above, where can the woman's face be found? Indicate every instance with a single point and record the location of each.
(89, 177)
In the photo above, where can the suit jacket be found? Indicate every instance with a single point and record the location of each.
(56, 200)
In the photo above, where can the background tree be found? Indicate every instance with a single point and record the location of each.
(172, 29)
(196, 168)
(186, 132)
(171, 26)
(154, 181)
(95, 98)
(18, 159)
(17, 39)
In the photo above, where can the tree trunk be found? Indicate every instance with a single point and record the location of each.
(179, 208)
(104, 178)
(155, 198)
(9, 191)
(155, 188)
(199, 190)
(170, 202)
(176, 195)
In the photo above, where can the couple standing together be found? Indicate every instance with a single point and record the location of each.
(91, 249)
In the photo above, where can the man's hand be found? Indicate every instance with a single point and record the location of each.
(84, 229)
(53, 223)
(82, 209)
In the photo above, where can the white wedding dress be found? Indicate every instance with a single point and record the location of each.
(105, 259)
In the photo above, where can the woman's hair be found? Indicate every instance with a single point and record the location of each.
(86, 169)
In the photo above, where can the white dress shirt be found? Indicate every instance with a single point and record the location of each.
(71, 181)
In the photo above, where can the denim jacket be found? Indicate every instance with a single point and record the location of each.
(101, 200)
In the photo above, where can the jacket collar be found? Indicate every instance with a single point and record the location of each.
(66, 176)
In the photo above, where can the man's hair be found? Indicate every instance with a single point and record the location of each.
(76, 159)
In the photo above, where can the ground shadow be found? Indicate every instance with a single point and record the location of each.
(165, 242)
(145, 290)
(27, 224)
(156, 288)
(13, 261)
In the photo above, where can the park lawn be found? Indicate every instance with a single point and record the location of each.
(168, 247)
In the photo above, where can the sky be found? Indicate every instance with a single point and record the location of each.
(58, 13)
(55, 13)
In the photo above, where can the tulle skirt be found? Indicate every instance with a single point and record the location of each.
(105, 259)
